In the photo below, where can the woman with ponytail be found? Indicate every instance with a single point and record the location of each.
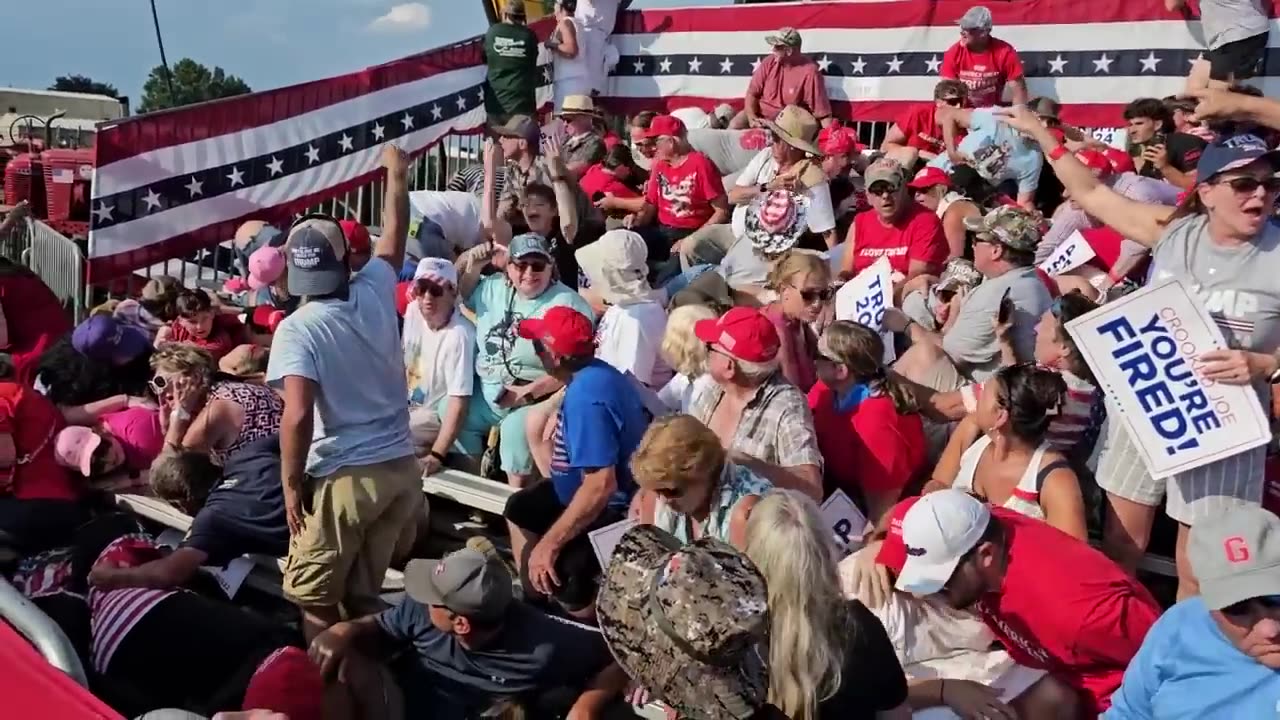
(869, 429)
(1001, 452)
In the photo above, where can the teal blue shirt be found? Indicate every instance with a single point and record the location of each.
(502, 356)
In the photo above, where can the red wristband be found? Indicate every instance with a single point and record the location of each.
(1057, 153)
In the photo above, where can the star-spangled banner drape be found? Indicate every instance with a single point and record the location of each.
(169, 183)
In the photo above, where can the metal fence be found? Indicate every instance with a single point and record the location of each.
(61, 263)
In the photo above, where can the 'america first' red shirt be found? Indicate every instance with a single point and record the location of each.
(1067, 608)
(985, 73)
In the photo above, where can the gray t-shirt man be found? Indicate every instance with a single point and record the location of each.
(971, 342)
(1226, 21)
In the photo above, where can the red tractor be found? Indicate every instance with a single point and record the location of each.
(55, 182)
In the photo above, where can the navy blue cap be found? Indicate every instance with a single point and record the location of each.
(1231, 152)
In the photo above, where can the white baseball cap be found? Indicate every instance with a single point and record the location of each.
(937, 531)
(437, 269)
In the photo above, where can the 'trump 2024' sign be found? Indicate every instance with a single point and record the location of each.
(1144, 350)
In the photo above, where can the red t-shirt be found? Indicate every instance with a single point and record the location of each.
(34, 317)
(683, 194)
(923, 132)
(871, 447)
(34, 423)
(227, 334)
(1083, 624)
(985, 72)
(598, 180)
(917, 235)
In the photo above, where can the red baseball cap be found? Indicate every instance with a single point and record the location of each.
(929, 177)
(837, 140)
(357, 236)
(563, 330)
(893, 552)
(744, 332)
(668, 125)
(1097, 162)
(1120, 160)
(287, 682)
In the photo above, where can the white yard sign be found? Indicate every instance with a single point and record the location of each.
(1144, 350)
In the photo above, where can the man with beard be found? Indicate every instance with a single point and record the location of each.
(1052, 601)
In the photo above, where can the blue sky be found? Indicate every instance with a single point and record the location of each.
(269, 43)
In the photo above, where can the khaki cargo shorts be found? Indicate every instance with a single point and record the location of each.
(355, 522)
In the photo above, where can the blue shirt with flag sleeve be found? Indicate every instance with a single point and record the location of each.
(601, 422)
(1188, 670)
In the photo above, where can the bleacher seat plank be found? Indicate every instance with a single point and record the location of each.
(470, 490)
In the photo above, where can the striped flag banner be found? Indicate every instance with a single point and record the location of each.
(170, 183)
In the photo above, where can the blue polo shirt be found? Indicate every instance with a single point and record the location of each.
(601, 422)
(1187, 669)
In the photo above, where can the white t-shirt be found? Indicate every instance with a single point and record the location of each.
(438, 363)
(762, 169)
(629, 337)
(679, 394)
(457, 213)
(694, 118)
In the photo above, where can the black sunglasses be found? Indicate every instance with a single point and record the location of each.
(883, 188)
(953, 101)
(427, 287)
(812, 296)
(1248, 184)
(1244, 607)
(534, 265)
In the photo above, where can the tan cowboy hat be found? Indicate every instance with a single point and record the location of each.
(797, 127)
(578, 105)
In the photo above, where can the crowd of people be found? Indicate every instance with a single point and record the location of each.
(640, 336)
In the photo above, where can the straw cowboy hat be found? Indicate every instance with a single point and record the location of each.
(688, 623)
(796, 127)
(578, 105)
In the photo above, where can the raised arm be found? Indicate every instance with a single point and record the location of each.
(395, 207)
(1141, 222)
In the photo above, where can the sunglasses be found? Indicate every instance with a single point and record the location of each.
(813, 296)
(669, 493)
(158, 384)
(534, 265)
(427, 287)
(953, 101)
(538, 347)
(883, 188)
(1247, 185)
(1244, 607)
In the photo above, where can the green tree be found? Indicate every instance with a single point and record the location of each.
(82, 84)
(192, 83)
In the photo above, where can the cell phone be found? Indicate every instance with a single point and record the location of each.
(1006, 307)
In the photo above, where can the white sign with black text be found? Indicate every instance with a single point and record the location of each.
(605, 539)
(1145, 350)
(866, 297)
(846, 521)
(1068, 256)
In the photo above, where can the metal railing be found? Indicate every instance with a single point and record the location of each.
(59, 262)
(41, 631)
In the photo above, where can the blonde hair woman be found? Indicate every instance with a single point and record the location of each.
(828, 657)
(687, 355)
(688, 485)
(803, 284)
(206, 410)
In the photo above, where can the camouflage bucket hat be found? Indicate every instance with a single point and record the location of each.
(688, 623)
(1013, 227)
(959, 273)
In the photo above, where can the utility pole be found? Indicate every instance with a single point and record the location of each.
(164, 62)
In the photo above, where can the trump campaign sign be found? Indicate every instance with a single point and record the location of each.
(1068, 256)
(1144, 349)
(865, 298)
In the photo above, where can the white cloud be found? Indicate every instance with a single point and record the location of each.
(403, 18)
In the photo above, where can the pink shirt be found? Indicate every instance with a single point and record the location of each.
(797, 350)
(777, 85)
(139, 434)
